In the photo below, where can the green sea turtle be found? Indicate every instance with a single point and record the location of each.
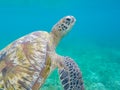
(26, 62)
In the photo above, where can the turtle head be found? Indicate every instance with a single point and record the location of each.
(62, 27)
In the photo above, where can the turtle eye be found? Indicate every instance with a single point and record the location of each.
(68, 19)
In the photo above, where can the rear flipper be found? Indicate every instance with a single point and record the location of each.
(70, 75)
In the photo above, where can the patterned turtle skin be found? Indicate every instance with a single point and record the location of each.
(26, 62)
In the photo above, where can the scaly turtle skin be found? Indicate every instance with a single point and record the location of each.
(26, 63)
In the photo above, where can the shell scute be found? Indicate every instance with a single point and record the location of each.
(24, 61)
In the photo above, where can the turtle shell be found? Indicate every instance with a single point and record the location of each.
(24, 64)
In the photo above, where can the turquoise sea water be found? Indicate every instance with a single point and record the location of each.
(94, 42)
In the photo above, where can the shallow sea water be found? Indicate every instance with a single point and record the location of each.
(94, 41)
(99, 66)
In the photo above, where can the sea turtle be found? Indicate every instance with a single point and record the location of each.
(26, 62)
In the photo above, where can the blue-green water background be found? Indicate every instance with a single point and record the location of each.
(94, 42)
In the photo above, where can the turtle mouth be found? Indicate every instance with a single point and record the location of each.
(73, 20)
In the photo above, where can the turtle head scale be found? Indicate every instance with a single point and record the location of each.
(62, 27)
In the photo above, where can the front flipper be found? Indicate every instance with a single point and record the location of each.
(70, 75)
